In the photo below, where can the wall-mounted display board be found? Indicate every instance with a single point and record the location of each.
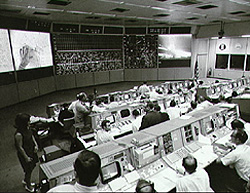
(6, 64)
(237, 61)
(140, 51)
(79, 53)
(174, 50)
(31, 49)
(73, 62)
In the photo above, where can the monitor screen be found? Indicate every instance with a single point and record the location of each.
(126, 96)
(110, 118)
(125, 113)
(6, 64)
(174, 46)
(221, 121)
(31, 49)
(110, 172)
(209, 126)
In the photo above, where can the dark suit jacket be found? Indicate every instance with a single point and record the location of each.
(150, 119)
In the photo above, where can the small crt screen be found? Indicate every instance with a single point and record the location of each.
(110, 172)
(209, 126)
(125, 113)
(110, 118)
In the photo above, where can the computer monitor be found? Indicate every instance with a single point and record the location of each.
(125, 113)
(110, 118)
(209, 126)
(110, 172)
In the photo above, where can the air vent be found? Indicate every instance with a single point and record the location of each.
(131, 20)
(92, 17)
(192, 18)
(40, 13)
(246, 15)
(120, 10)
(161, 0)
(237, 12)
(207, 7)
(215, 21)
(10, 10)
(59, 2)
(161, 15)
(187, 2)
(113, 19)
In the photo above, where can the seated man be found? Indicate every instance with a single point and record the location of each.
(87, 168)
(151, 118)
(144, 186)
(238, 124)
(239, 160)
(103, 135)
(193, 181)
(173, 111)
(136, 123)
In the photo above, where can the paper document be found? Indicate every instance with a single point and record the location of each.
(132, 176)
(204, 140)
(117, 184)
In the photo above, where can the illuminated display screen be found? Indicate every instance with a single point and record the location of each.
(126, 96)
(6, 64)
(110, 118)
(110, 172)
(174, 46)
(31, 49)
(209, 126)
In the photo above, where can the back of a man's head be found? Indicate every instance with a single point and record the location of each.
(172, 103)
(237, 124)
(240, 136)
(87, 167)
(190, 164)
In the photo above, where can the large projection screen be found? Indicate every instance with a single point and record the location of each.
(31, 49)
(6, 63)
(174, 47)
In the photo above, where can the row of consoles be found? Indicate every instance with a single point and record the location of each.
(154, 153)
(224, 88)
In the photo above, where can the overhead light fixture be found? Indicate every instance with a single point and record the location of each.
(245, 36)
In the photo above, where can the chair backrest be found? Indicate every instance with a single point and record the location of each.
(68, 123)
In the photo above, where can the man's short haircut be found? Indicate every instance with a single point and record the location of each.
(237, 124)
(88, 167)
(135, 113)
(241, 135)
(189, 163)
(172, 103)
(193, 104)
(104, 123)
(157, 108)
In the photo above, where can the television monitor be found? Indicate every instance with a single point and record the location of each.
(125, 113)
(126, 96)
(110, 118)
(6, 63)
(209, 126)
(221, 121)
(31, 49)
(110, 172)
(174, 46)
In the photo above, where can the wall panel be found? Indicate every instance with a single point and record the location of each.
(149, 74)
(166, 74)
(46, 85)
(101, 77)
(84, 79)
(116, 75)
(28, 90)
(133, 75)
(65, 82)
(8, 95)
(182, 73)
